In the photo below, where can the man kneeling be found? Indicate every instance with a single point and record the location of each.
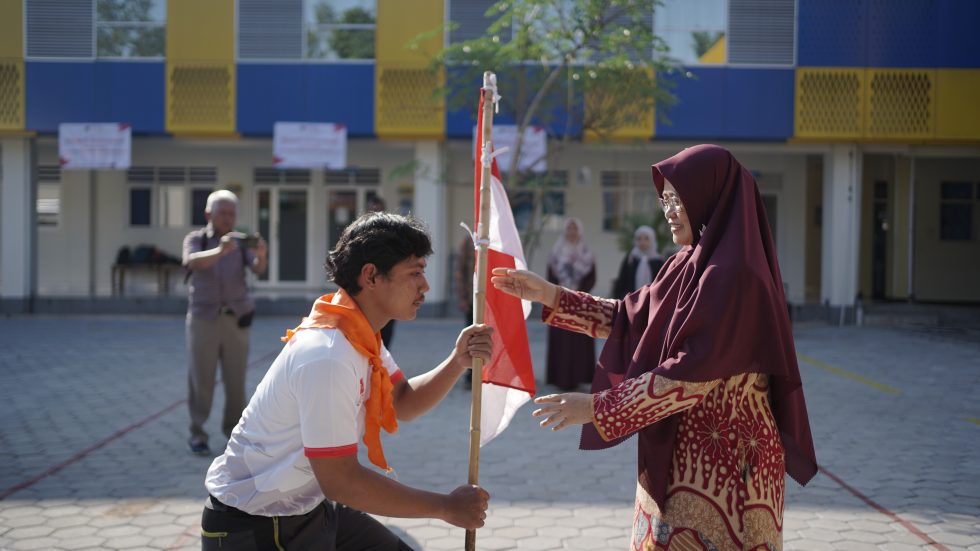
(290, 478)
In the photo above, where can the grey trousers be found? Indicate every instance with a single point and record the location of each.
(209, 340)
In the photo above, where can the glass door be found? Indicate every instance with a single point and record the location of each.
(344, 205)
(282, 217)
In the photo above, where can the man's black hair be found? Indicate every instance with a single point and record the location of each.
(380, 238)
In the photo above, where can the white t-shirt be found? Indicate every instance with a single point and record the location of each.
(309, 404)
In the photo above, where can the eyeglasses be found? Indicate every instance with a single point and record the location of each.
(672, 203)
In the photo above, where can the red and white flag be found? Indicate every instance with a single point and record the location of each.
(508, 379)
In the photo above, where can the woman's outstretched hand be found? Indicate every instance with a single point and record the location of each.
(525, 285)
(562, 410)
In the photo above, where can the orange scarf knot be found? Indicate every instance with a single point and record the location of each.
(339, 311)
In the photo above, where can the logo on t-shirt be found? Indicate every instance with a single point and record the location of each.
(361, 398)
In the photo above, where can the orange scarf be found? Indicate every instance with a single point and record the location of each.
(339, 311)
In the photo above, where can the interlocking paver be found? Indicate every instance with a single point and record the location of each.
(140, 489)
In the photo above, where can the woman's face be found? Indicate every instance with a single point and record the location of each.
(676, 214)
(571, 233)
(642, 242)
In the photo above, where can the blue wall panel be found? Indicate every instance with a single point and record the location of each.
(901, 33)
(270, 93)
(731, 104)
(131, 92)
(831, 33)
(958, 36)
(342, 93)
(58, 92)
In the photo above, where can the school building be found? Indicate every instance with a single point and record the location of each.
(859, 118)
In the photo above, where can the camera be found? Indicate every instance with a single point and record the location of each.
(244, 240)
(248, 242)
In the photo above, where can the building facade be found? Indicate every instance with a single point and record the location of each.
(859, 118)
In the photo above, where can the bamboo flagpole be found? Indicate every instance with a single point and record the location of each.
(480, 288)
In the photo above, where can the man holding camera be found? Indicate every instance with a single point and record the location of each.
(219, 313)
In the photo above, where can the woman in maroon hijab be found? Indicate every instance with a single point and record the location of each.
(700, 363)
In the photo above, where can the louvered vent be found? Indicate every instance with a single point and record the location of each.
(761, 32)
(337, 177)
(297, 176)
(59, 28)
(901, 103)
(11, 94)
(406, 104)
(269, 175)
(207, 174)
(469, 19)
(361, 176)
(48, 173)
(270, 29)
(141, 174)
(201, 98)
(172, 174)
(829, 102)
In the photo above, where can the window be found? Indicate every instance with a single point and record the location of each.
(956, 211)
(339, 29)
(625, 194)
(139, 206)
(694, 30)
(541, 193)
(48, 205)
(171, 197)
(130, 28)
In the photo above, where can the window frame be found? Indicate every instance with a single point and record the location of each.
(308, 26)
(97, 24)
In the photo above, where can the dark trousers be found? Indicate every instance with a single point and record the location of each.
(329, 527)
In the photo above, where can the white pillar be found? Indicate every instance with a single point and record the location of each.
(17, 235)
(430, 207)
(841, 225)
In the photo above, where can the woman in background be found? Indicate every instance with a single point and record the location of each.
(571, 356)
(641, 265)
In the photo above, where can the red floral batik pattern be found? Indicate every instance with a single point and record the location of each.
(725, 489)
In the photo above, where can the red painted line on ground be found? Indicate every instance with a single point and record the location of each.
(874, 505)
(105, 441)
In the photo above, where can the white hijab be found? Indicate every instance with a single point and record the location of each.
(571, 261)
(644, 276)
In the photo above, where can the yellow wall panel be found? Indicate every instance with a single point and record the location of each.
(607, 110)
(830, 103)
(958, 104)
(200, 98)
(900, 103)
(201, 30)
(406, 105)
(12, 29)
(11, 94)
(400, 21)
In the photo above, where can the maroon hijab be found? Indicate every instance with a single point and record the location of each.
(715, 310)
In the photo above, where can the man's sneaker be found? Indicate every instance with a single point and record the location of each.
(199, 448)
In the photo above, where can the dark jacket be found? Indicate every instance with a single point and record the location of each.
(627, 275)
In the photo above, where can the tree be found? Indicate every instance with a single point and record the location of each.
(704, 40)
(354, 43)
(588, 66)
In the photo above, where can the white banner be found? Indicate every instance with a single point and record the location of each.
(309, 145)
(95, 145)
(534, 148)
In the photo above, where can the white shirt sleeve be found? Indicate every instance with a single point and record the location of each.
(328, 395)
(388, 361)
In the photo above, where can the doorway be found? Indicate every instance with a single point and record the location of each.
(879, 240)
(344, 205)
(282, 214)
